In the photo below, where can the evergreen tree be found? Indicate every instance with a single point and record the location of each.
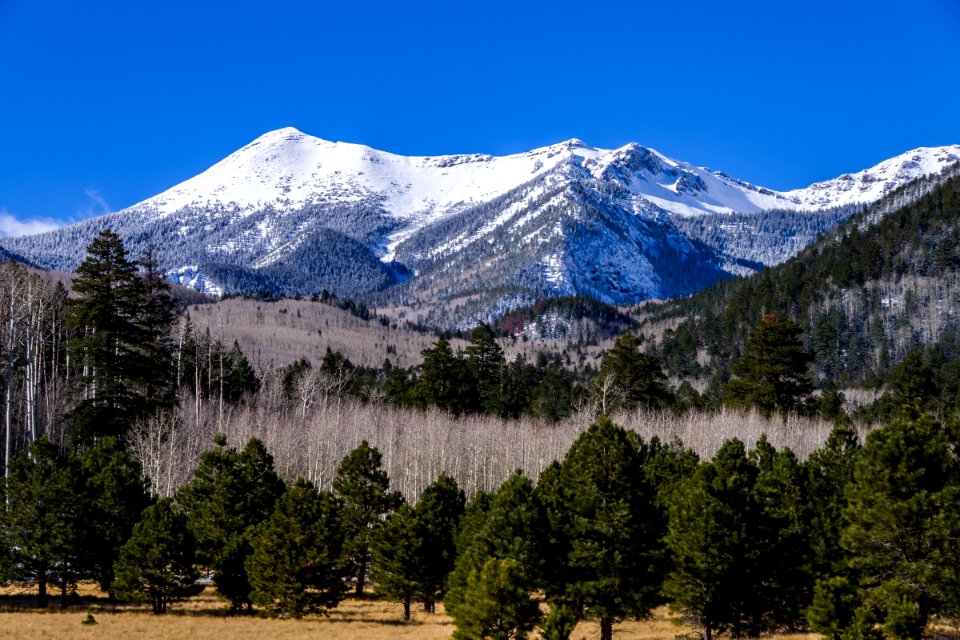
(157, 314)
(443, 380)
(710, 536)
(438, 513)
(156, 564)
(772, 373)
(555, 395)
(111, 345)
(664, 466)
(510, 525)
(781, 541)
(614, 562)
(365, 490)
(556, 543)
(635, 378)
(240, 379)
(336, 365)
(42, 518)
(486, 364)
(230, 493)
(397, 551)
(911, 386)
(558, 624)
(496, 603)
(116, 495)
(829, 472)
(833, 608)
(904, 520)
(296, 566)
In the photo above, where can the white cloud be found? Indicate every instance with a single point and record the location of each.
(11, 226)
(97, 205)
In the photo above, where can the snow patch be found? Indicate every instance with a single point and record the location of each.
(191, 276)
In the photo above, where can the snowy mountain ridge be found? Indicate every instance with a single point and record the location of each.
(290, 168)
(482, 234)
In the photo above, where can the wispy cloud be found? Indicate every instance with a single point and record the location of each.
(98, 205)
(11, 226)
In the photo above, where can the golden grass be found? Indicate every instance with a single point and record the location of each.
(205, 617)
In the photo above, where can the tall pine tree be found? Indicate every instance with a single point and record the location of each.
(118, 341)
(364, 487)
(904, 521)
(614, 562)
(297, 566)
(772, 373)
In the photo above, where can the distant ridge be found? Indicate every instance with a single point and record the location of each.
(474, 235)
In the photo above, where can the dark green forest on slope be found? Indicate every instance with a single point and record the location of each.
(866, 295)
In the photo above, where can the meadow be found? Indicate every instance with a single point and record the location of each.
(206, 616)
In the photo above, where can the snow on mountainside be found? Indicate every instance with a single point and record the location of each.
(293, 213)
(289, 168)
(872, 184)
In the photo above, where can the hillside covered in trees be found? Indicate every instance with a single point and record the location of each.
(143, 452)
(881, 285)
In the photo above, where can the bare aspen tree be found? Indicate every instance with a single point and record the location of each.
(10, 290)
(221, 349)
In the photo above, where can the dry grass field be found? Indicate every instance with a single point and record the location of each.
(206, 617)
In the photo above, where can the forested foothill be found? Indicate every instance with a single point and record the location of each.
(525, 495)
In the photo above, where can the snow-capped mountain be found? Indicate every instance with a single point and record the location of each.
(293, 213)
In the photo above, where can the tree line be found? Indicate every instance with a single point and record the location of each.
(854, 537)
(116, 351)
(856, 541)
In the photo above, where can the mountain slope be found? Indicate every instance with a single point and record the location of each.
(866, 295)
(296, 214)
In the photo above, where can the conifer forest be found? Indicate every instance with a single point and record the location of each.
(743, 491)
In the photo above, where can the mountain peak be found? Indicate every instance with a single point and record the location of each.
(283, 133)
(289, 212)
(575, 143)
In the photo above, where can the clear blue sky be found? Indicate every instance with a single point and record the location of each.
(103, 104)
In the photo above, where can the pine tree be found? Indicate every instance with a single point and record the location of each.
(438, 512)
(904, 519)
(365, 490)
(42, 519)
(397, 551)
(829, 472)
(508, 524)
(496, 603)
(780, 547)
(709, 536)
(556, 394)
(117, 378)
(443, 380)
(629, 378)
(414, 551)
(157, 314)
(240, 379)
(613, 567)
(772, 373)
(485, 363)
(296, 566)
(910, 387)
(117, 495)
(156, 564)
(833, 607)
(558, 624)
(230, 493)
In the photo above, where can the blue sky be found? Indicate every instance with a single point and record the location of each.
(103, 104)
